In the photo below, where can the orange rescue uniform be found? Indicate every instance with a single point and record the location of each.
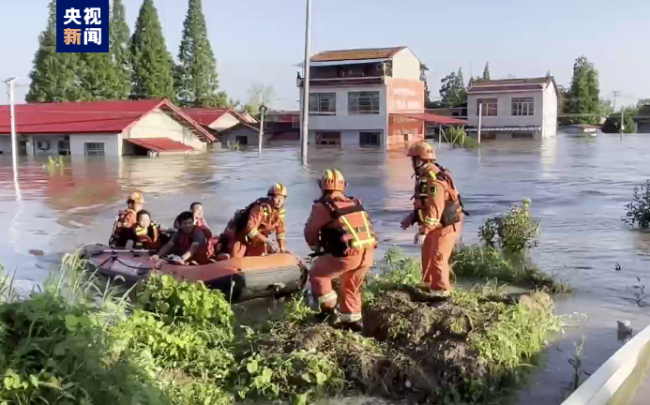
(122, 226)
(349, 258)
(264, 220)
(434, 190)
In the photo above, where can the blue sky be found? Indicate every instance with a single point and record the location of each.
(259, 41)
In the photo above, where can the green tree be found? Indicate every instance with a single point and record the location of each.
(151, 61)
(453, 90)
(98, 77)
(54, 75)
(486, 71)
(119, 39)
(583, 97)
(258, 94)
(196, 74)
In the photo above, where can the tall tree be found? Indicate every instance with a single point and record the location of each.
(196, 74)
(54, 75)
(584, 94)
(453, 90)
(119, 39)
(152, 63)
(486, 71)
(259, 94)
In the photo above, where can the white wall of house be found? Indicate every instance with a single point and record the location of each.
(504, 115)
(157, 124)
(406, 65)
(224, 122)
(112, 143)
(343, 121)
(549, 127)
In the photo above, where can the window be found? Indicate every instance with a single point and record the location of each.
(489, 106)
(523, 106)
(94, 148)
(328, 138)
(322, 104)
(64, 148)
(363, 102)
(369, 138)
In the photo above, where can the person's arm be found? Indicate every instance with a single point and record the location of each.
(280, 232)
(434, 205)
(165, 250)
(198, 240)
(254, 221)
(318, 218)
(409, 220)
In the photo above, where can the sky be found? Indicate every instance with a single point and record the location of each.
(261, 41)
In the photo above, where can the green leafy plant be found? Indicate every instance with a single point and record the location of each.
(458, 138)
(638, 210)
(395, 269)
(515, 232)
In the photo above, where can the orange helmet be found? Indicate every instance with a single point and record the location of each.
(135, 197)
(278, 189)
(332, 180)
(422, 150)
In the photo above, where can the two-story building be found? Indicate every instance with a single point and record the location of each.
(362, 98)
(513, 108)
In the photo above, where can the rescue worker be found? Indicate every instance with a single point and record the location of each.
(438, 212)
(248, 233)
(340, 232)
(146, 233)
(190, 242)
(199, 220)
(125, 220)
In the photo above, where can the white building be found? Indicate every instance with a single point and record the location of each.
(102, 128)
(513, 108)
(361, 98)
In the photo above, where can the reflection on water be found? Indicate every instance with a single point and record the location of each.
(578, 187)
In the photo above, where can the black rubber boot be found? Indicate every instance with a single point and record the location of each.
(356, 327)
(327, 316)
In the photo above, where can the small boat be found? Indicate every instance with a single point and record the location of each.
(240, 279)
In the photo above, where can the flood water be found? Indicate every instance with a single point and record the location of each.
(578, 188)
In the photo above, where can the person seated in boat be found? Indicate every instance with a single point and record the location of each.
(197, 209)
(146, 234)
(248, 233)
(190, 243)
(125, 220)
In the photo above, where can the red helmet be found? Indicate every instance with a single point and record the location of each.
(277, 189)
(422, 150)
(332, 180)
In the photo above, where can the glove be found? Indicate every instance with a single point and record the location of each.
(419, 239)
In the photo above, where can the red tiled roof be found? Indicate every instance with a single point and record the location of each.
(206, 116)
(356, 54)
(90, 117)
(160, 144)
(434, 119)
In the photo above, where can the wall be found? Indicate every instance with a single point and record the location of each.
(406, 65)
(405, 96)
(549, 121)
(157, 124)
(349, 139)
(504, 110)
(224, 122)
(112, 143)
(342, 121)
(229, 137)
(33, 142)
(398, 127)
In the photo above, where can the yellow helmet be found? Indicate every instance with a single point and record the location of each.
(135, 197)
(422, 150)
(332, 180)
(278, 189)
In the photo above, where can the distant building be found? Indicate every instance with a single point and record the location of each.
(513, 108)
(102, 128)
(213, 118)
(642, 119)
(363, 98)
(242, 134)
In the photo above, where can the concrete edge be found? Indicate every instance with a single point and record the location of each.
(603, 384)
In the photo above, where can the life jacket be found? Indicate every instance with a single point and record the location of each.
(350, 231)
(121, 228)
(242, 216)
(147, 238)
(454, 208)
(203, 253)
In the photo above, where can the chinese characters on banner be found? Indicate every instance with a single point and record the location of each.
(82, 25)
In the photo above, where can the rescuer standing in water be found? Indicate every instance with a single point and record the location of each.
(340, 228)
(439, 214)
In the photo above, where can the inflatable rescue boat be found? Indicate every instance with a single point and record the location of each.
(239, 279)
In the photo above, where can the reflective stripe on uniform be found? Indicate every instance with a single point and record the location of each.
(281, 236)
(353, 317)
(253, 233)
(356, 242)
(330, 296)
(431, 221)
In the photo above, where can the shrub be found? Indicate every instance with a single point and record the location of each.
(458, 138)
(395, 269)
(638, 211)
(515, 232)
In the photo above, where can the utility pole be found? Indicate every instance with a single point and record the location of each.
(305, 86)
(615, 94)
(622, 126)
(260, 137)
(480, 121)
(14, 144)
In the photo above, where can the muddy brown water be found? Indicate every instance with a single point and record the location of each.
(578, 187)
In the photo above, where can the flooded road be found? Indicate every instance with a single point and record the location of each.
(578, 188)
